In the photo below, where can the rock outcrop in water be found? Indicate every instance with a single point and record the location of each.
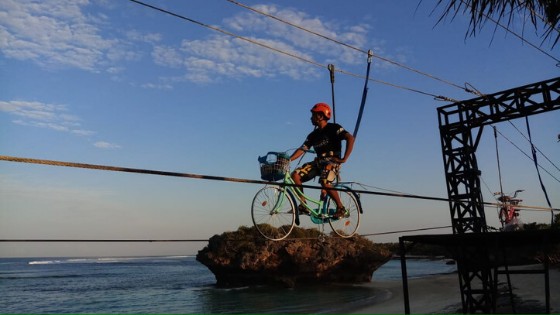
(244, 258)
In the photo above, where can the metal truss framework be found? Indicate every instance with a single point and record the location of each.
(461, 125)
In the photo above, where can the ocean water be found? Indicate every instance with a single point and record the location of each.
(172, 284)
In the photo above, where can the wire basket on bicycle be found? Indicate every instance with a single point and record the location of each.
(274, 165)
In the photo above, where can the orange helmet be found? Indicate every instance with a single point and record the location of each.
(323, 108)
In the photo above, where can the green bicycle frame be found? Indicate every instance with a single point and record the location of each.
(318, 211)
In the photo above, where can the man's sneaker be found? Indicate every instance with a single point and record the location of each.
(340, 213)
(302, 209)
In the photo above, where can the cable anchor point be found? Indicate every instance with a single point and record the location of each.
(331, 71)
(369, 55)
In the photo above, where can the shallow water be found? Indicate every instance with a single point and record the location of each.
(172, 284)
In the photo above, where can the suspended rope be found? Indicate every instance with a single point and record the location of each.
(437, 97)
(196, 176)
(209, 177)
(364, 95)
(331, 72)
(534, 152)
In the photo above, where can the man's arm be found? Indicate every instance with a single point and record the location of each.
(349, 147)
(297, 153)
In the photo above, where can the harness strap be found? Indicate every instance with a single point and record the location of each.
(364, 94)
(329, 154)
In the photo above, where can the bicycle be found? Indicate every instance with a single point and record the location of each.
(509, 214)
(274, 210)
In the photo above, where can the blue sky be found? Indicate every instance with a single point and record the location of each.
(115, 83)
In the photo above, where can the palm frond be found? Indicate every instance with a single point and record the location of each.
(544, 15)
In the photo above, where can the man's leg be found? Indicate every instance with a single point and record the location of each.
(333, 194)
(328, 176)
(297, 180)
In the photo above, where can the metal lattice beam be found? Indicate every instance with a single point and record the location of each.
(461, 125)
(458, 122)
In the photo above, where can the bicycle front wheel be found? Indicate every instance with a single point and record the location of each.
(347, 225)
(273, 212)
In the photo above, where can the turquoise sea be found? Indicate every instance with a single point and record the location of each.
(171, 284)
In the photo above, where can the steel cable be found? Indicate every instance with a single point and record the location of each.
(437, 97)
(350, 46)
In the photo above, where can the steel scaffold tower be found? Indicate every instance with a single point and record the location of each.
(461, 125)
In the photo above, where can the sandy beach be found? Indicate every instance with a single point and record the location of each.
(440, 294)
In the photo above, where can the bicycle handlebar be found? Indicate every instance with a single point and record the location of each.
(264, 159)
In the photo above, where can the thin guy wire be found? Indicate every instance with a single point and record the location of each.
(487, 187)
(31, 240)
(365, 186)
(297, 26)
(524, 136)
(437, 97)
(36, 240)
(523, 39)
(406, 231)
(349, 46)
(527, 155)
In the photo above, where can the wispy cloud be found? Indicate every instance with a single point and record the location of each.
(219, 56)
(106, 145)
(50, 116)
(157, 86)
(354, 34)
(70, 33)
(224, 57)
(43, 115)
(57, 33)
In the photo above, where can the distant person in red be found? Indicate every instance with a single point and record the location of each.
(326, 139)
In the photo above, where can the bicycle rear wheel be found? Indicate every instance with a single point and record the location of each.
(348, 225)
(273, 212)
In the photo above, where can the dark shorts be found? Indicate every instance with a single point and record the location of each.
(324, 168)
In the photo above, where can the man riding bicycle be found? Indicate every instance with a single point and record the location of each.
(326, 139)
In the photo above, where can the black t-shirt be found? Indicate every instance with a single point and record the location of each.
(326, 140)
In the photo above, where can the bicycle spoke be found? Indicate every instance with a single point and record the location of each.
(347, 225)
(273, 213)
